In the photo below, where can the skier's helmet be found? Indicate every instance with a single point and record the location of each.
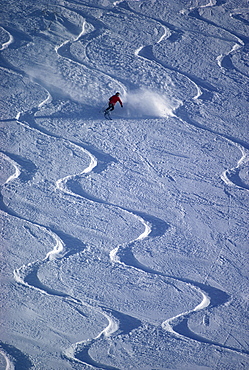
(117, 93)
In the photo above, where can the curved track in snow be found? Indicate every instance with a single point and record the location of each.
(229, 176)
(27, 275)
(206, 290)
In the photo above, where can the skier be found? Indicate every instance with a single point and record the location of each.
(112, 101)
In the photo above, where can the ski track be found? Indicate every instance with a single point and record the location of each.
(27, 274)
(9, 364)
(206, 301)
(224, 60)
(229, 176)
(14, 358)
(6, 44)
(146, 52)
(17, 172)
(64, 49)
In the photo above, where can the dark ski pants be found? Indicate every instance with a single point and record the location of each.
(110, 108)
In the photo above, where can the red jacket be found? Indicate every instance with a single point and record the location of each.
(114, 99)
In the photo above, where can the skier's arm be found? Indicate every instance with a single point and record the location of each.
(120, 101)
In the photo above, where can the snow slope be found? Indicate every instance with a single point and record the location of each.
(124, 242)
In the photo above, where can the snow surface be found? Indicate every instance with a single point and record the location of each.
(124, 242)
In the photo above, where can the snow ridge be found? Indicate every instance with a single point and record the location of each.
(27, 275)
(146, 52)
(17, 172)
(234, 176)
(9, 364)
(9, 42)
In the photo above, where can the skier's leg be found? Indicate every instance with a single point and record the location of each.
(108, 108)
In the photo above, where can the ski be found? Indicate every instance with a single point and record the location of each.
(107, 115)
